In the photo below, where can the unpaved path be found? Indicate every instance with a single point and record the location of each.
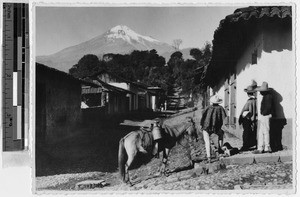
(96, 158)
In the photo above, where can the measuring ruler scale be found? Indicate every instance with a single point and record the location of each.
(15, 76)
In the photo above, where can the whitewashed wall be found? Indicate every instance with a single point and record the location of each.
(277, 67)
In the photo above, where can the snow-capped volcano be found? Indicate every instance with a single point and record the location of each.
(119, 39)
(124, 32)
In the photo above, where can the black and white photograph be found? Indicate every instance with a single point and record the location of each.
(164, 98)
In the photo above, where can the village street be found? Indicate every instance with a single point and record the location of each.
(92, 162)
(257, 176)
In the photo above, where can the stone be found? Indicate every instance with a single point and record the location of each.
(185, 177)
(172, 180)
(266, 158)
(222, 166)
(90, 184)
(198, 165)
(261, 179)
(281, 174)
(199, 171)
(238, 160)
(194, 175)
(145, 186)
(237, 187)
(246, 186)
(286, 158)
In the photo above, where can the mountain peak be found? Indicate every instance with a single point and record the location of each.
(127, 34)
(118, 40)
(118, 28)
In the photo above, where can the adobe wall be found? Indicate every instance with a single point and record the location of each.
(58, 106)
(275, 65)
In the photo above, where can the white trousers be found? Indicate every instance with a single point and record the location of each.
(217, 142)
(263, 134)
(207, 143)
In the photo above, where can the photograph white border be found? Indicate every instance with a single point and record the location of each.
(165, 3)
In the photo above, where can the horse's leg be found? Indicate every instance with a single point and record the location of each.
(132, 150)
(166, 153)
(128, 163)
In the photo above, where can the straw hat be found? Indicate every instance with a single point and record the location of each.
(251, 88)
(264, 87)
(215, 99)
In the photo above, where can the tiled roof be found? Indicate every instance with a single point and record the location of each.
(107, 87)
(137, 84)
(230, 38)
(259, 12)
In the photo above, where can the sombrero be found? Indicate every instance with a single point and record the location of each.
(215, 99)
(251, 88)
(264, 87)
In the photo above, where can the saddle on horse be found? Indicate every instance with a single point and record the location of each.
(146, 139)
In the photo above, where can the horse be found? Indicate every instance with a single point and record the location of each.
(142, 141)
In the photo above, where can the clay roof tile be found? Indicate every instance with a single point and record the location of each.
(227, 37)
(275, 11)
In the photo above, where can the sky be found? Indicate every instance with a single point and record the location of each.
(61, 27)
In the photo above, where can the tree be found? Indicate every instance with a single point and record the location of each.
(203, 61)
(207, 52)
(176, 43)
(86, 66)
(145, 66)
(174, 63)
(196, 53)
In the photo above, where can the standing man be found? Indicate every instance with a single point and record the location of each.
(263, 137)
(211, 123)
(248, 118)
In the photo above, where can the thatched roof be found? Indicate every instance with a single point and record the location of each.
(233, 34)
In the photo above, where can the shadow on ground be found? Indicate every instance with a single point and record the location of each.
(95, 148)
(90, 151)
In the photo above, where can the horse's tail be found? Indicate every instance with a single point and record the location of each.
(122, 159)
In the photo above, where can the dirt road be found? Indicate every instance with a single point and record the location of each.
(94, 157)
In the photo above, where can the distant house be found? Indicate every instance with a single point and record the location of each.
(58, 98)
(157, 96)
(142, 97)
(255, 43)
(109, 99)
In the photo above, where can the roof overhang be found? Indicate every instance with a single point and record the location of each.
(233, 34)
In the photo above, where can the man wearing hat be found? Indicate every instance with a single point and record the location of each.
(211, 123)
(248, 118)
(263, 137)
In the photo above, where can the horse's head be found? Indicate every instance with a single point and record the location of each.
(191, 130)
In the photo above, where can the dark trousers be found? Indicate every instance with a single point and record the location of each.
(249, 134)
